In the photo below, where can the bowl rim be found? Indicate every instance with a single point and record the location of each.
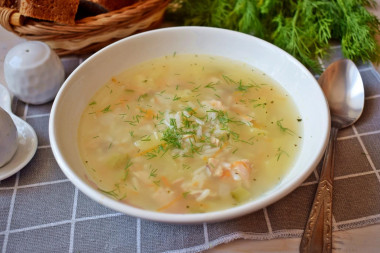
(215, 216)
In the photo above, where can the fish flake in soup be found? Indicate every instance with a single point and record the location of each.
(189, 134)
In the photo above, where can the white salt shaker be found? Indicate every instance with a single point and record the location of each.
(34, 73)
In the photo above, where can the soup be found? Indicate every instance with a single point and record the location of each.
(189, 134)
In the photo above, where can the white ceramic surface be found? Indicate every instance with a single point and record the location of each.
(27, 139)
(34, 73)
(78, 89)
(8, 137)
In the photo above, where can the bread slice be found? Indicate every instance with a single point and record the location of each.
(13, 4)
(111, 5)
(60, 11)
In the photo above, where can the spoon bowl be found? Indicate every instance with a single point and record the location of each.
(27, 139)
(344, 90)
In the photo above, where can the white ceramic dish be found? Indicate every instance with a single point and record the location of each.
(27, 139)
(76, 92)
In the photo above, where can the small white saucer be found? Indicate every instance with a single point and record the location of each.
(27, 139)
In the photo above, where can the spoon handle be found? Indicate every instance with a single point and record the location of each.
(317, 235)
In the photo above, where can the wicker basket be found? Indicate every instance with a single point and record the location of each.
(88, 34)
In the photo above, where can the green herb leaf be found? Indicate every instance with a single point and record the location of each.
(211, 85)
(303, 28)
(284, 129)
(153, 173)
(280, 152)
(107, 109)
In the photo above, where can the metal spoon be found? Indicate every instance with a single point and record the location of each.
(343, 88)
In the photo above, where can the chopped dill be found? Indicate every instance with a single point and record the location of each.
(175, 156)
(280, 152)
(210, 85)
(228, 80)
(130, 122)
(146, 138)
(199, 103)
(172, 137)
(161, 92)
(129, 164)
(176, 98)
(113, 194)
(262, 105)
(196, 89)
(92, 103)
(284, 129)
(151, 155)
(126, 169)
(107, 109)
(135, 120)
(153, 173)
(190, 110)
(243, 88)
(142, 97)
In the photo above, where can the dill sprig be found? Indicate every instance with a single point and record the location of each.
(280, 152)
(172, 135)
(107, 109)
(303, 28)
(284, 129)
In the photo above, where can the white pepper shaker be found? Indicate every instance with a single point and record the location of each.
(34, 73)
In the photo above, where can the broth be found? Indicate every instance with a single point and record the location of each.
(189, 134)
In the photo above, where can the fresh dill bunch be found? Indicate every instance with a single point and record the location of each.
(201, 13)
(303, 28)
(239, 15)
(356, 28)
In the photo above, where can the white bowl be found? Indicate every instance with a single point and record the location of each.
(81, 85)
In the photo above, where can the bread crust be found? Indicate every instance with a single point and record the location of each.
(64, 11)
(13, 4)
(60, 11)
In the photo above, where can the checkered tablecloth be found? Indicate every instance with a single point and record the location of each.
(42, 211)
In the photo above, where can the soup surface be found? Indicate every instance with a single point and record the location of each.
(189, 134)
